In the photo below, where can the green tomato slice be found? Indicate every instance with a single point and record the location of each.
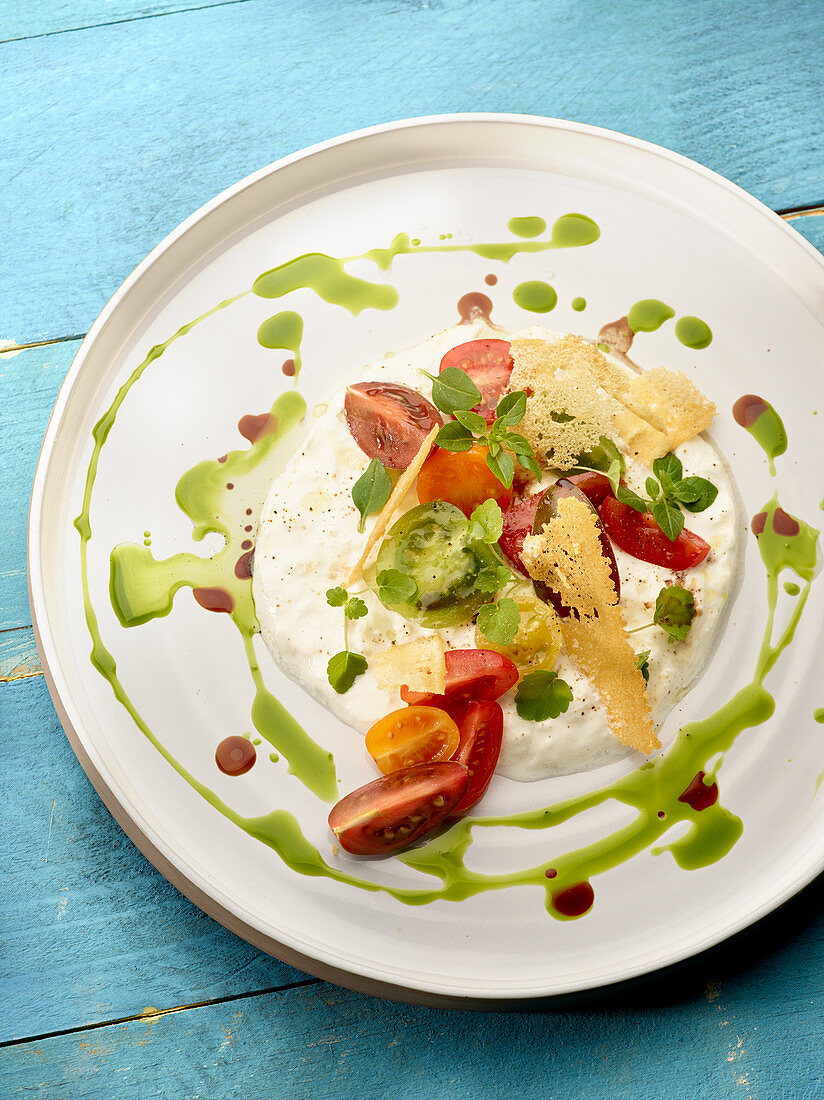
(431, 544)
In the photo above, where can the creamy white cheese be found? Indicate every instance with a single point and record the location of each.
(308, 541)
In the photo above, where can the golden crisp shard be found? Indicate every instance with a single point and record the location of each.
(567, 556)
(677, 402)
(420, 665)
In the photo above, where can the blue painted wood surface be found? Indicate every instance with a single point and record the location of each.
(116, 121)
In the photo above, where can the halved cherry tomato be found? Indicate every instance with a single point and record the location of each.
(482, 726)
(595, 487)
(538, 640)
(388, 421)
(489, 365)
(471, 674)
(518, 521)
(462, 478)
(398, 809)
(637, 534)
(412, 735)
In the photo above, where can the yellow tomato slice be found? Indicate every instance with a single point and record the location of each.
(538, 640)
(412, 735)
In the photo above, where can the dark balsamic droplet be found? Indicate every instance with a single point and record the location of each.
(223, 458)
(288, 368)
(490, 280)
(246, 544)
(214, 599)
(784, 524)
(617, 335)
(758, 522)
(235, 755)
(700, 795)
(243, 565)
(550, 872)
(252, 427)
(230, 485)
(475, 305)
(748, 408)
(661, 813)
(575, 900)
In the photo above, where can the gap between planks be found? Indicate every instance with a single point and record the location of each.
(129, 19)
(153, 1014)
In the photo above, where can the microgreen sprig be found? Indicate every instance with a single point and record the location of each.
(454, 393)
(542, 695)
(344, 668)
(674, 613)
(371, 491)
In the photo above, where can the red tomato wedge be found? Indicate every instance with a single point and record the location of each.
(462, 478)
(595, 487)
(489, 365)
(471, 675)
(482, 727)
(389, 422)
(518, 521)
(412, 735)
(637, 534)
(398, 809)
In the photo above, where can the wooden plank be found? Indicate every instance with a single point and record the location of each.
(40, 17)
(724, 1039)
(90, 930)
(112, 136)
(810, 226)
(29, 382)
(19, 659)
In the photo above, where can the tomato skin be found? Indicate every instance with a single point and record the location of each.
(398, 809)
(518, 521)
(410, 736)
(388, 421)
(595, 487)
(482, 728)
(471, 675)
(538, 640)
(461, 478)
(637, 534)
(489, 364)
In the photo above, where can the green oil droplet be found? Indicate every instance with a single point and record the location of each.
(328, 278)
(579, 304)
(416, 241)
(573, 231)
(648, 315)
(256, 741)
(535, 296)
(791, 588)
(526, 227)
(693, 332)
(764, 424)
(284, 331)
(818, 715)
(273, 756)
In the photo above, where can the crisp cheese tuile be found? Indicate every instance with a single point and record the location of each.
(405, 483)
(679, 404)
(571, 377)
(420, 665)
(567, 556)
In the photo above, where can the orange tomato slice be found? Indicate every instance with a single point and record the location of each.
(462, 478)
(410, 736)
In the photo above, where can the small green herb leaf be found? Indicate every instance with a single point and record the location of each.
(668, 467)
(395, 586)
(696, 493)
(371, 491)
(511, 409)
(355, 608)
(642, 662)
(502, 466)
(601, 457)
(454, 437)
(486, 524)
(344, 668)
(542, 695)
(499, 621)
(472, 421)
(493, 578)
(453, 389)
(626, 496)
(336, 597)
(669, 518)
(653, 488)
(674, 611)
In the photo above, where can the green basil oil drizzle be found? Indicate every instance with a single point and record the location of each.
(648, 315)
(536, 296)
(142, 588)
(693, 332)
(760, 419)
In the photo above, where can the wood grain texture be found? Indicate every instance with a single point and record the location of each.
(36, 18)
(90, 930)
(18, 655)
(111, 136)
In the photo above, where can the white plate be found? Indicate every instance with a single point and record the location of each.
(670, 230)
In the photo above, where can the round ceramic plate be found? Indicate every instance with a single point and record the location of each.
(146, 733)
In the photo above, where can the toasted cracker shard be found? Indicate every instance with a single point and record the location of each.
(420, 665)
(576, 395)
(680, 405)
(404, 484)
(567, 555)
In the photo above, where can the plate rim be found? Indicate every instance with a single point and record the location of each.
(425, 992)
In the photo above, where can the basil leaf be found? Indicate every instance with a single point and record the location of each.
(355, 608)
(669, 518)
(336, 597)
(486, 522)
(371, 491)
(511, 409)
(626, 496)
(653, 488)
(453, 389)
(518, 443)
(395, 586)
(472, 421)
(454, 437)
(601, 457)
(674, 611)
(502, 466)
(499, 621)
(696, 493)
(642, 662)
(670, 466)
(529, 463)
(344, 668)
(542, 695)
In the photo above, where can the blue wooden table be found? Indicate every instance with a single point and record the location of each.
(118, 118)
